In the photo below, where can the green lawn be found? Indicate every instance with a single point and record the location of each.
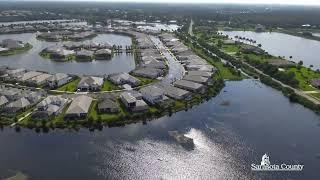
(106, 117)
(230, 48)
(71, 86)
(145, 81)
(304, 76)
(109, 86)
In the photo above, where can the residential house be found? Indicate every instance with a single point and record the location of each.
(58, 79)
(103, 54)
(152, 73)
(133, 101)
(16, 72)
(50, 106)
(12, 44)
(84, 55)
(90, 83)
(59, 53)
(153, 94)
(197, 79)
(200, 73)
(79, 108)
(108, 105)
(176, 93)
(3, 101)
(28, 75)
(40, 80)
(11, 94)
(18, 105)
(124, 78)
(190, 86)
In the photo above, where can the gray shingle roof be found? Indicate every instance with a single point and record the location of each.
(80, 104)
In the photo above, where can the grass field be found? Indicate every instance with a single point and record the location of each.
(304, 76)
(145, 81)
(230, 48)
(109, 86)
(71, 86)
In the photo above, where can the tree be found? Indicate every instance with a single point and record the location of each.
(300, 63)
(259, 45)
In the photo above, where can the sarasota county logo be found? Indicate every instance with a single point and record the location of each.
(265, 165)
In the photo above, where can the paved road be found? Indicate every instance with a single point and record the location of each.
(190, 28)
(176, 70)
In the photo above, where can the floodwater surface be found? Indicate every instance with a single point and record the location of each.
(228, 138)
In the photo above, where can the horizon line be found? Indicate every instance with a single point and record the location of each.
(167, 2)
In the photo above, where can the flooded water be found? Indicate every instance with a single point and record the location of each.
(280, 44)
(228, 138)
(31, 59)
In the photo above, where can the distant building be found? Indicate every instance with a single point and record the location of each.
(84, 55)
(229, 42)
(11, 44)
(103, 54)
(260, 28)
(246, 48)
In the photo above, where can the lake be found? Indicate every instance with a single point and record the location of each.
(280, 44)
(228, 138)
(31, 59)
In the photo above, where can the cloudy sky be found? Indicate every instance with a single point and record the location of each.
(298, 2)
